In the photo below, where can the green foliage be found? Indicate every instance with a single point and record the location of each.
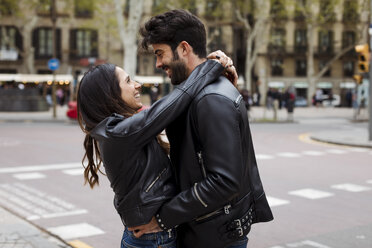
(246, 7)
(161, 6)
(351, 11)
(8, 7)
(327, 11)
(278, 9)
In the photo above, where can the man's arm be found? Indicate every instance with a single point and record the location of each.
(219, 132)
(143, 126)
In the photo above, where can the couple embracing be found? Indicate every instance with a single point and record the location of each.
(200, 190)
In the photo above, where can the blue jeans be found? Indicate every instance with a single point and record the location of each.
(162, 239)
(240, 244)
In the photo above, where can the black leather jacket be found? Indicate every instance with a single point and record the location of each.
(216, 168)
(139, 171)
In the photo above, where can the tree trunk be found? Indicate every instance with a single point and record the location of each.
(28, 49)
(128, 33)
(310, 63)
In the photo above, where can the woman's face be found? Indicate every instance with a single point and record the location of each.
(130, 90)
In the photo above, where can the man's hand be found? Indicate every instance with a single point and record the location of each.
(150, 227)
(230, 71)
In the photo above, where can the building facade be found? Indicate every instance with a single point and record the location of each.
(85, 37)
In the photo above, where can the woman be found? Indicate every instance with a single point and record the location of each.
(136, 165)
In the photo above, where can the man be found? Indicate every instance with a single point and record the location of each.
(221, 193)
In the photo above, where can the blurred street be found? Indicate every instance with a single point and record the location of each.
(320, 194)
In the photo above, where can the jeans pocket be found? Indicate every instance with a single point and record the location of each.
(170, 243)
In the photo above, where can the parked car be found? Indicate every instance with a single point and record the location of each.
(300, 101)
(335, 101)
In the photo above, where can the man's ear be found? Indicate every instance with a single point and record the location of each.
(184, 48)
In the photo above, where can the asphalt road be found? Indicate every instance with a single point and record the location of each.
(321, 195)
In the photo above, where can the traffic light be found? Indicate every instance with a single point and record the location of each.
(358, 78)
(363, 57)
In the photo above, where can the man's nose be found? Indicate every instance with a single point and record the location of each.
(159, 64)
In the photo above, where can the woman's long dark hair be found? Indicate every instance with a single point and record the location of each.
(99, 96)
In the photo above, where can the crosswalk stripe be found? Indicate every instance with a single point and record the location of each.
(310, 193)
(369, 181)
(336, 151)
(74, 172)
(75, 231)
(263, 156)
(39, 168)
(273, 202)
(313, 153)
(350, 187)
(29, 176)
(359, 149)
(289, 154)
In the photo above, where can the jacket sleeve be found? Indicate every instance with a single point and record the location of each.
(143, 126)
(220, 136)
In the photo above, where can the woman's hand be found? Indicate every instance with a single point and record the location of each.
(230, 71)
(150, 227)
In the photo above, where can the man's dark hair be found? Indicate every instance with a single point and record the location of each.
(175, 26)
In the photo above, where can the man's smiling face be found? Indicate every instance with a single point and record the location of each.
(170, 62)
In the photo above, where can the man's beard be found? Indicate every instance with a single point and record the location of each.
(178, 69)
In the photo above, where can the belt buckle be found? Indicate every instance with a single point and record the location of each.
(238, 223)
(240, 230)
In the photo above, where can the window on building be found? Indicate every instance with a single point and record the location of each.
(325, 42)
(10, 38)
(277, 67)
(277, 40)
(300, 41)
(348, 38)
(84, 9)
(301, 67)
(42, 40)
(83, 43)
(348, 68)
(322, 64)
(351, 13)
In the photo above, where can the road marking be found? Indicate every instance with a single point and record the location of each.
(263, 156)
(79, 244)
(289, 155)
(74, 172)
(34, 204)
(308, 243)
(305, 243)
(29, 176)
(369, 181)
(9, 142)
(40, 168)
(274, 202)
(350, 187)
(336, 151)
(313, 153)
(359, 150)
(75, 231)
(310, 193)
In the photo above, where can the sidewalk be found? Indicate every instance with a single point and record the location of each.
(44, 116)
(15, 232)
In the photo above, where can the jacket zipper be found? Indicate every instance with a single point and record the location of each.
(155, 180)
(224, 209)
(198, 196)
(201, 163)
